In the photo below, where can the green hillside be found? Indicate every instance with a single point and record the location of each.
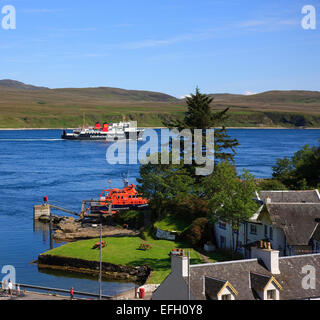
(27, 106)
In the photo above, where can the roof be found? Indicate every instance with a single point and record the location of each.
(242, 275)
(214, 286)
(309, 196)
(297, 220)
(259, 282)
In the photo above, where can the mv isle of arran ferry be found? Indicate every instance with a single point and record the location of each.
(106, 132)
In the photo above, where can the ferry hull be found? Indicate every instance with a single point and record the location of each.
(99, 137)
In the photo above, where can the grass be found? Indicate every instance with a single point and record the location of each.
(57, 108)
(125, 251)
(172, 223)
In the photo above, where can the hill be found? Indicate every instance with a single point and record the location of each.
(27, 106)
(12, 84)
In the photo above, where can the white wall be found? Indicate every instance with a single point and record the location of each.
(277, 242)
(271, 286)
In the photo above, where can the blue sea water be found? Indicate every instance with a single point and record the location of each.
(34, 163)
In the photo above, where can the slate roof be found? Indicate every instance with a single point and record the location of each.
(239, 274)
(309, 196)
(213, 286)
(297, 220)
(258, 281)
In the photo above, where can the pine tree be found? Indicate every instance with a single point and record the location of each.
(200, 115)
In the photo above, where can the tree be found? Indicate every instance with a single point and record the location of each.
(271, 184)
(161, 183)
(302, 171)
(231, 198)
(200, 115)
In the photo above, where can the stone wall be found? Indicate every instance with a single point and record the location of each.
(109, 270)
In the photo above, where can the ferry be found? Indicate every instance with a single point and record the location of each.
(106, 132)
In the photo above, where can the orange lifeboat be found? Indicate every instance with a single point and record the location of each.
(122, 199)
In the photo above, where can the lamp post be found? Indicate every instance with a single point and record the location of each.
(189, 292)
(100, 270)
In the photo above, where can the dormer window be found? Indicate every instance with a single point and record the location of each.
(266, 287)
(216, 289)
(271, 294)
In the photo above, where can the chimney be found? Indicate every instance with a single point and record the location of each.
(179, 263)
(269, 256)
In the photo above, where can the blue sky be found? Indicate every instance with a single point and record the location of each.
(171, 46)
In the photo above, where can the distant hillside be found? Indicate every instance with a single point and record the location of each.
(27, 106)
(105, 93)
(12, 84)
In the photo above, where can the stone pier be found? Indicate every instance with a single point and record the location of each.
(41, 210)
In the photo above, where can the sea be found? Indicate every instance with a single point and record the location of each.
(37, 163)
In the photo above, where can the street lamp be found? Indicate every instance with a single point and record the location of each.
(100, 271)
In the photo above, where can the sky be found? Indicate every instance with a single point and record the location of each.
(170, 46)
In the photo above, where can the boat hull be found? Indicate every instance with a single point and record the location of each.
(95, 209)
(100, 137)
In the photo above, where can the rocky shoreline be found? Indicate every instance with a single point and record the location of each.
(69, 229)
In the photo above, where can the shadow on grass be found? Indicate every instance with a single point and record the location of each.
(159, 264)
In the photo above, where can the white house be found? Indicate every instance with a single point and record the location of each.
(287, 219)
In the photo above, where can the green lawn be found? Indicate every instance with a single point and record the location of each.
(172, 223)
(125, 251)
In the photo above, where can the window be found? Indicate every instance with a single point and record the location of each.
(271, 294)
(266, 231)
(226, 297)
(222, 242)
(270, 233)
(253, 229)
(222, 225)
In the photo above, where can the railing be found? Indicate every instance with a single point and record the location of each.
(56, 290)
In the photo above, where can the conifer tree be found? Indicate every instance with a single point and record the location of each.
(200, 115)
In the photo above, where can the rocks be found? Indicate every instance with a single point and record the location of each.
(74, 231)
(71, 229)
(46, 219)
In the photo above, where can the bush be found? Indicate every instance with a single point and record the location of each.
(271, 184)
(131, 218)
(189, 207)
(145, 246)
(198, 233)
